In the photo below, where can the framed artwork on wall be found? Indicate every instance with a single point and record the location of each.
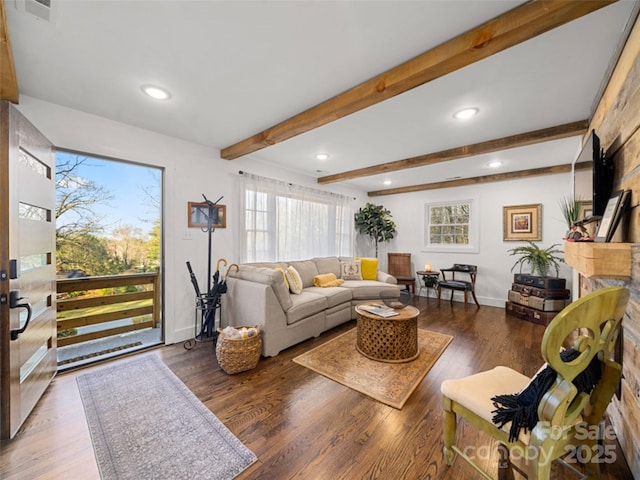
(522, 222)
(198, 215)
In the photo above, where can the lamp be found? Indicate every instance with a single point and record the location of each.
(427, 267)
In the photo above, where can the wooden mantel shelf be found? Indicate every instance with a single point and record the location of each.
(599, 260)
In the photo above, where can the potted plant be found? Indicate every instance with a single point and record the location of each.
(375, 221)
(571, 208)
(539, 260)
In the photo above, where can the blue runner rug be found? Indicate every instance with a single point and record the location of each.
(146, 424)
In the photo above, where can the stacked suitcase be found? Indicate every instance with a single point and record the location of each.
(537, 299)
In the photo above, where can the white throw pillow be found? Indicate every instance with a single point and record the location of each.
(295, 281)
(351, 270)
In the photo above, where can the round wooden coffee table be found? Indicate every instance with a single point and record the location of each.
(392, 339)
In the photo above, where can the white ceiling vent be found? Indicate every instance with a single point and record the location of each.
(43, 9)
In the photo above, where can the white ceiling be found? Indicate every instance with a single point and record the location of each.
(235, 68)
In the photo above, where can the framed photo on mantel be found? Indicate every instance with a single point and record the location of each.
(612, 215)
(522, 222)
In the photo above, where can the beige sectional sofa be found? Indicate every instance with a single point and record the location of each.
(258, 295)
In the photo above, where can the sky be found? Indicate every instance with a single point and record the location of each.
(126, 182)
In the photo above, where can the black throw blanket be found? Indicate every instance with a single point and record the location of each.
(522, 408)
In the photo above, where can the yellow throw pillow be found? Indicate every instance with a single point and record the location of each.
(284, 275)
(369, 268)
(295, 281)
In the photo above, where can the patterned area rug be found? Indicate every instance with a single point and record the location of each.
(146, 424)
(389, 383)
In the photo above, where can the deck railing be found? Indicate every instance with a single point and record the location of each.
(147, 303)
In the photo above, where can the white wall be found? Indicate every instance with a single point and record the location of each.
(190, 170)
(493, 260)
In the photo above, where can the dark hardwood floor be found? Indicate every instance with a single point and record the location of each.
(302, 425)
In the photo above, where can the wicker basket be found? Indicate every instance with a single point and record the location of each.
(238, 355)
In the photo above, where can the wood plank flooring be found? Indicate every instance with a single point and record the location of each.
(302, 425)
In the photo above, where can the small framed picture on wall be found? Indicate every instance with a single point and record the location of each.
(198, 215)
(522, 222)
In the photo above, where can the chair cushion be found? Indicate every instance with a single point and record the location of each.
(405, 279)
(456, 285)
(475, 391)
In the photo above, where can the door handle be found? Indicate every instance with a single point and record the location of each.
(14, 299)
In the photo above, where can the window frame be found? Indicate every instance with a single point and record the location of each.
(474, 227)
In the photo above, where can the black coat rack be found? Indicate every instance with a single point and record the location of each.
(209, 302)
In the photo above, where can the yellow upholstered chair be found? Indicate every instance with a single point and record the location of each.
(568, 416)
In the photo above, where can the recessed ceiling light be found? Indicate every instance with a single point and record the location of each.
(387, 182)
(495, 164)
(322, 156)
(466, 113)
(156, 92)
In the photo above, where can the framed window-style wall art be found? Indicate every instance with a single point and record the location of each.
(199, 214)
(522, 222)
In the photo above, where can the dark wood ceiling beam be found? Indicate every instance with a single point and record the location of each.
(8, 80)
(509, 29)
(500, 177)
(513, 141)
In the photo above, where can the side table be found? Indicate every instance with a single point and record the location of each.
(429, 280)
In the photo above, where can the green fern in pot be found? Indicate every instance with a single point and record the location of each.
(540, 260)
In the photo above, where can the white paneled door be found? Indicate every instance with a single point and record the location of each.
(27, 268)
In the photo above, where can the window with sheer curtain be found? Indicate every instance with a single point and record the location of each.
(282, 221)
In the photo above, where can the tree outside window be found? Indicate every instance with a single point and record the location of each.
(451, 226)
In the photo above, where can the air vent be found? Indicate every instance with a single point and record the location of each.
(43, 9)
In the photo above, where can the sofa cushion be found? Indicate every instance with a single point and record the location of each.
(328, 265)
(351, 270)
(367, 289)
(294, 280)
(334, 295)
(307, 270)
(305, 305)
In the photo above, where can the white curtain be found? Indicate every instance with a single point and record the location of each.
(282, 221)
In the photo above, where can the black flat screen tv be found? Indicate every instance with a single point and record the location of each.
(603, 173)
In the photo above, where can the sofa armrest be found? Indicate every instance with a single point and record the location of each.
(386, 278)
(254, 303)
